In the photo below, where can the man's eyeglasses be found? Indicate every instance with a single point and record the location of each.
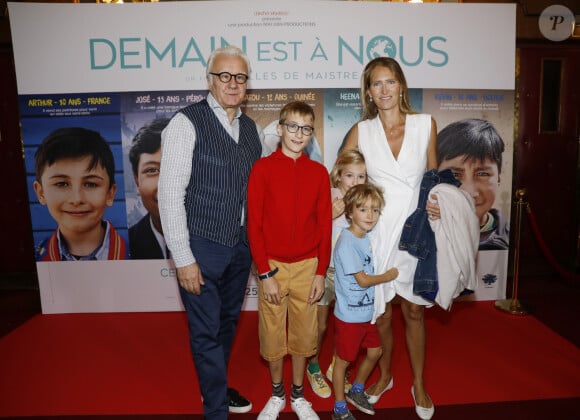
(225, 77)
(293, 128)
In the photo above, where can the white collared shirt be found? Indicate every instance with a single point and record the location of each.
(177, 145)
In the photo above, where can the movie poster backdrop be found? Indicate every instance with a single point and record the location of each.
(114, 69)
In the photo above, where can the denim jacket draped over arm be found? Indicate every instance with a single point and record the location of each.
(418, 238)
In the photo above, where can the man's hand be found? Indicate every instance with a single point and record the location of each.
(190, 278)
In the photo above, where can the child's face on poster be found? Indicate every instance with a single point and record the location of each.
(480, 178)
(75, 195)
(147, 179)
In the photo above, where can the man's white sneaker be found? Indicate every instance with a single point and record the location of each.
(272, 408)
(318, 384)
(303, 409)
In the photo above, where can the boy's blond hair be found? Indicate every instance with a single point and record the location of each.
(359, 194)
(345, 158)
(296, 107)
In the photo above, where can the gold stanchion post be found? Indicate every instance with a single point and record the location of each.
(513, 305)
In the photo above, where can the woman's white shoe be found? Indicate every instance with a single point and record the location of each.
(374, 398)
(422, 412)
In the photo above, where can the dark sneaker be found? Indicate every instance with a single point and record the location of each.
(238, 404)
(344, 416)
(360, 401)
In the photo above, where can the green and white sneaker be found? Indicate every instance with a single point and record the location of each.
(318, 384)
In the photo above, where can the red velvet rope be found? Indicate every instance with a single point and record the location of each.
(542, 244)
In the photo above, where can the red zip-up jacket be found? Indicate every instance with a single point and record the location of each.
(289, 211)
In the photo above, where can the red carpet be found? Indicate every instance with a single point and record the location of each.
(139, 363)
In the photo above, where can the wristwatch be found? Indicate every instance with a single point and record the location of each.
(268, 274)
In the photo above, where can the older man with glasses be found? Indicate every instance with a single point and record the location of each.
(208, 149)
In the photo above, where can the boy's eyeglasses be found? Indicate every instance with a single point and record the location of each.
(225, 77)
(293, 128)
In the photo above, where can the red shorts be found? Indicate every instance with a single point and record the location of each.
(350, 337)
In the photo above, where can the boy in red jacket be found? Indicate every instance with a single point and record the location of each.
(289, 230)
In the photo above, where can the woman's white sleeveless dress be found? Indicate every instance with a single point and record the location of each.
(400, 180)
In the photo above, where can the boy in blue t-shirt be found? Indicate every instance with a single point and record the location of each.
(353, 310)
